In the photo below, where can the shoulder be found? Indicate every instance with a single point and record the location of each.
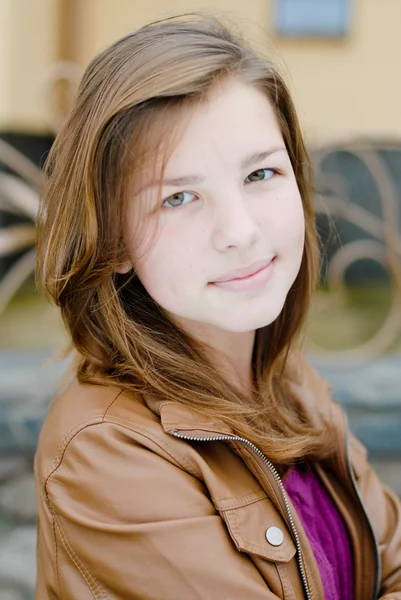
(85, 405)
(91, 425)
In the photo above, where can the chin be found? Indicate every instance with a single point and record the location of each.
(243, 324)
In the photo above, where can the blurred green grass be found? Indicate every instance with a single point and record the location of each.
(29, 322)
(345, 322)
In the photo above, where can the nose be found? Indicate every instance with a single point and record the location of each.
(234, 224)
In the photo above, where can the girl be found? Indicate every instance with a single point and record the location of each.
(195, 455)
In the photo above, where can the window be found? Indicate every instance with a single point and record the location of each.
(312, 18)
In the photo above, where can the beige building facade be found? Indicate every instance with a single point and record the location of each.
(345, 87)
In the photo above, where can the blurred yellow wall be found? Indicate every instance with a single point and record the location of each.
(345, 87)
(29, 40)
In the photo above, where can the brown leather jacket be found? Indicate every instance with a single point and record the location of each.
(128, 510)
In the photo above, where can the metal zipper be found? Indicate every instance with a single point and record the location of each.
(355, 486)
(273, 470)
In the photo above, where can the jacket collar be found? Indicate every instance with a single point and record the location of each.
(176, 417)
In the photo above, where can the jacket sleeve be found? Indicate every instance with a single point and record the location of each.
(130, 523)
(384, 510)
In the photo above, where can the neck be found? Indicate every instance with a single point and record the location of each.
(229, 352)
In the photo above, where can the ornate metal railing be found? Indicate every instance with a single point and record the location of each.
(20, 182)
(19, 185)
(381, 242)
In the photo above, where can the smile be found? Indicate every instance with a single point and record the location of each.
(251, 282)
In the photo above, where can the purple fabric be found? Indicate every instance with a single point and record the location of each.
(326, 532)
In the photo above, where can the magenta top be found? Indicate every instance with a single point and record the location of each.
(326, 532)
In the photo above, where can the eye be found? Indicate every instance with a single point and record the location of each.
(260, 175)
(178, 199)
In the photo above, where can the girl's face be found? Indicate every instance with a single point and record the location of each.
(230, 226)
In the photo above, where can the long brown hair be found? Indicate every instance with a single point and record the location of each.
(129, 99)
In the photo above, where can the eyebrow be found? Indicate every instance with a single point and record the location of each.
(259, 156)
(248, 161)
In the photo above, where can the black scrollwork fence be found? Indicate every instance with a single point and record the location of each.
(359, 185)
(378, 238)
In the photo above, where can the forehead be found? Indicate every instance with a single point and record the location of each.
(235, 120)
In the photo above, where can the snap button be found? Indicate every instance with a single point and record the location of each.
(275, 536)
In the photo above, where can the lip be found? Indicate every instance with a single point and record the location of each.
(245, 272)
(251, 284)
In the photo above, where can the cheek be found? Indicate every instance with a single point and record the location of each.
(169, 263)
(288, 219)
